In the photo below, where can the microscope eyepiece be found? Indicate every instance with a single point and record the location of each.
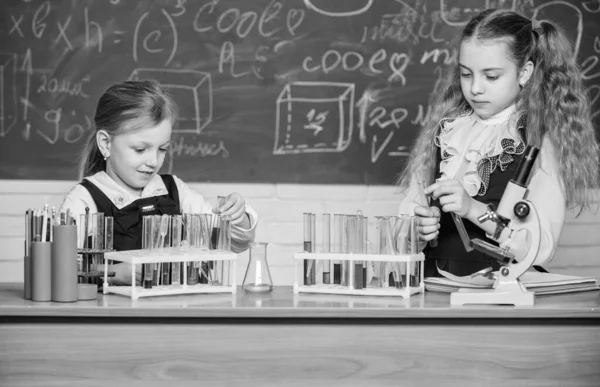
(522, 175)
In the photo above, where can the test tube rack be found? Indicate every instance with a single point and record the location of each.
(86, 257)
(167, 255)
(348, 288)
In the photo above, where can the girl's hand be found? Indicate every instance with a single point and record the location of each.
(123, 274)
(234, 207)
(452, 196)
(428, 222)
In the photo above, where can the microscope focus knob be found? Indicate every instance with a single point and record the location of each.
(521, 210)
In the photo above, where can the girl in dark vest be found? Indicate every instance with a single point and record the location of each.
(120, 164)
(514, 82)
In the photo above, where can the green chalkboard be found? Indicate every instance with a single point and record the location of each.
(296, 91)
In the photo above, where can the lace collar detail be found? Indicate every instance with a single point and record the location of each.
(475, 147)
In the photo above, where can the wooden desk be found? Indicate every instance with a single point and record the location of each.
(285, 339)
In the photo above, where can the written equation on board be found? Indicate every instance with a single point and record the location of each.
(364, 84)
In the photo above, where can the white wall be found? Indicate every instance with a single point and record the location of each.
(280, 208)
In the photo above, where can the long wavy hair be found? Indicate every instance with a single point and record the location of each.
(126, 106)
(554, 102)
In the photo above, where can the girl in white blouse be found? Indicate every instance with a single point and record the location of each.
(515, 83)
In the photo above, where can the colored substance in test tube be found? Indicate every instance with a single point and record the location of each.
(192, 273)
(358, 276)
(308, 276)
(337, 273)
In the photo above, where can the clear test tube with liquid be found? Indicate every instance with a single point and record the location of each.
(219, 271)
(147, 244)
(108, 242)
(192, 236)
(176, 231)
(164, 240)
(364, 231)
(309, 241)
(327, 265)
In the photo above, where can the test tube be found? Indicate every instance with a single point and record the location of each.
(147, 235)
(176, 230)
(164, 241)
(215, 223)
(204, 231)
(337, 246)
(354, 246)
(224, 240)
(192, 222)
(108, 240)
(364, 228)
(415, 267)
(309, 225)
(345, 265)
(108, 232)
(97, 241)
(326, 248)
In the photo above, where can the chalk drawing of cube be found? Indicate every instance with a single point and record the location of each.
(191, 90)
(8, 93)
(314, 117)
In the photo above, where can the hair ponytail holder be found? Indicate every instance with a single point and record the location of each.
(536, 27)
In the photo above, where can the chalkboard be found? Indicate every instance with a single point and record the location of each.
(297, 91)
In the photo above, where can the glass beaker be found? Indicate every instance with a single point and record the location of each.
(258, 277)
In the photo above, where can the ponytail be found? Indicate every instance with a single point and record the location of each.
(558, 109)
(91, 160)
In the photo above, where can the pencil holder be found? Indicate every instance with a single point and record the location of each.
(64, 264)
(27, 277)
(41, 277)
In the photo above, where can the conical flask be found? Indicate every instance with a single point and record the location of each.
(258, 277)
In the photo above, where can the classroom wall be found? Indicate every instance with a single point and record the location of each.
(280, 207)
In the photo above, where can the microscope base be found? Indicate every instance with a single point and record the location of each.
(505, 292)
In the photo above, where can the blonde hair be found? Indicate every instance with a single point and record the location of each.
(553, 101)
(125, 106)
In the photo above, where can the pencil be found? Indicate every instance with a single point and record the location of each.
(44, 222)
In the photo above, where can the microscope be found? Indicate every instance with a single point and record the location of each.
(515, 215)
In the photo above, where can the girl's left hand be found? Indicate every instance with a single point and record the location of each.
(234, 207)
(452, 196)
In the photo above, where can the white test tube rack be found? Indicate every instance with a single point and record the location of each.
(348, 289)
(169, 255)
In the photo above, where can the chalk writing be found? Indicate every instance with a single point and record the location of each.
(310, 4)
(38, 24)
(52, 133)
(153, 37)
(233, 67)
(241, 23)
(353, 61)
(8, 90)
(56, 86)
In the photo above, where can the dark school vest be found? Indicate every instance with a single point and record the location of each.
(128, 220)
(450, 254)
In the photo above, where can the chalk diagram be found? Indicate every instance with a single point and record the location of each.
(192, 91)
(8, 92)
(310, 4)
(314, 117)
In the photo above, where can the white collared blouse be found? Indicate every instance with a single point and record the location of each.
(190, 201)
